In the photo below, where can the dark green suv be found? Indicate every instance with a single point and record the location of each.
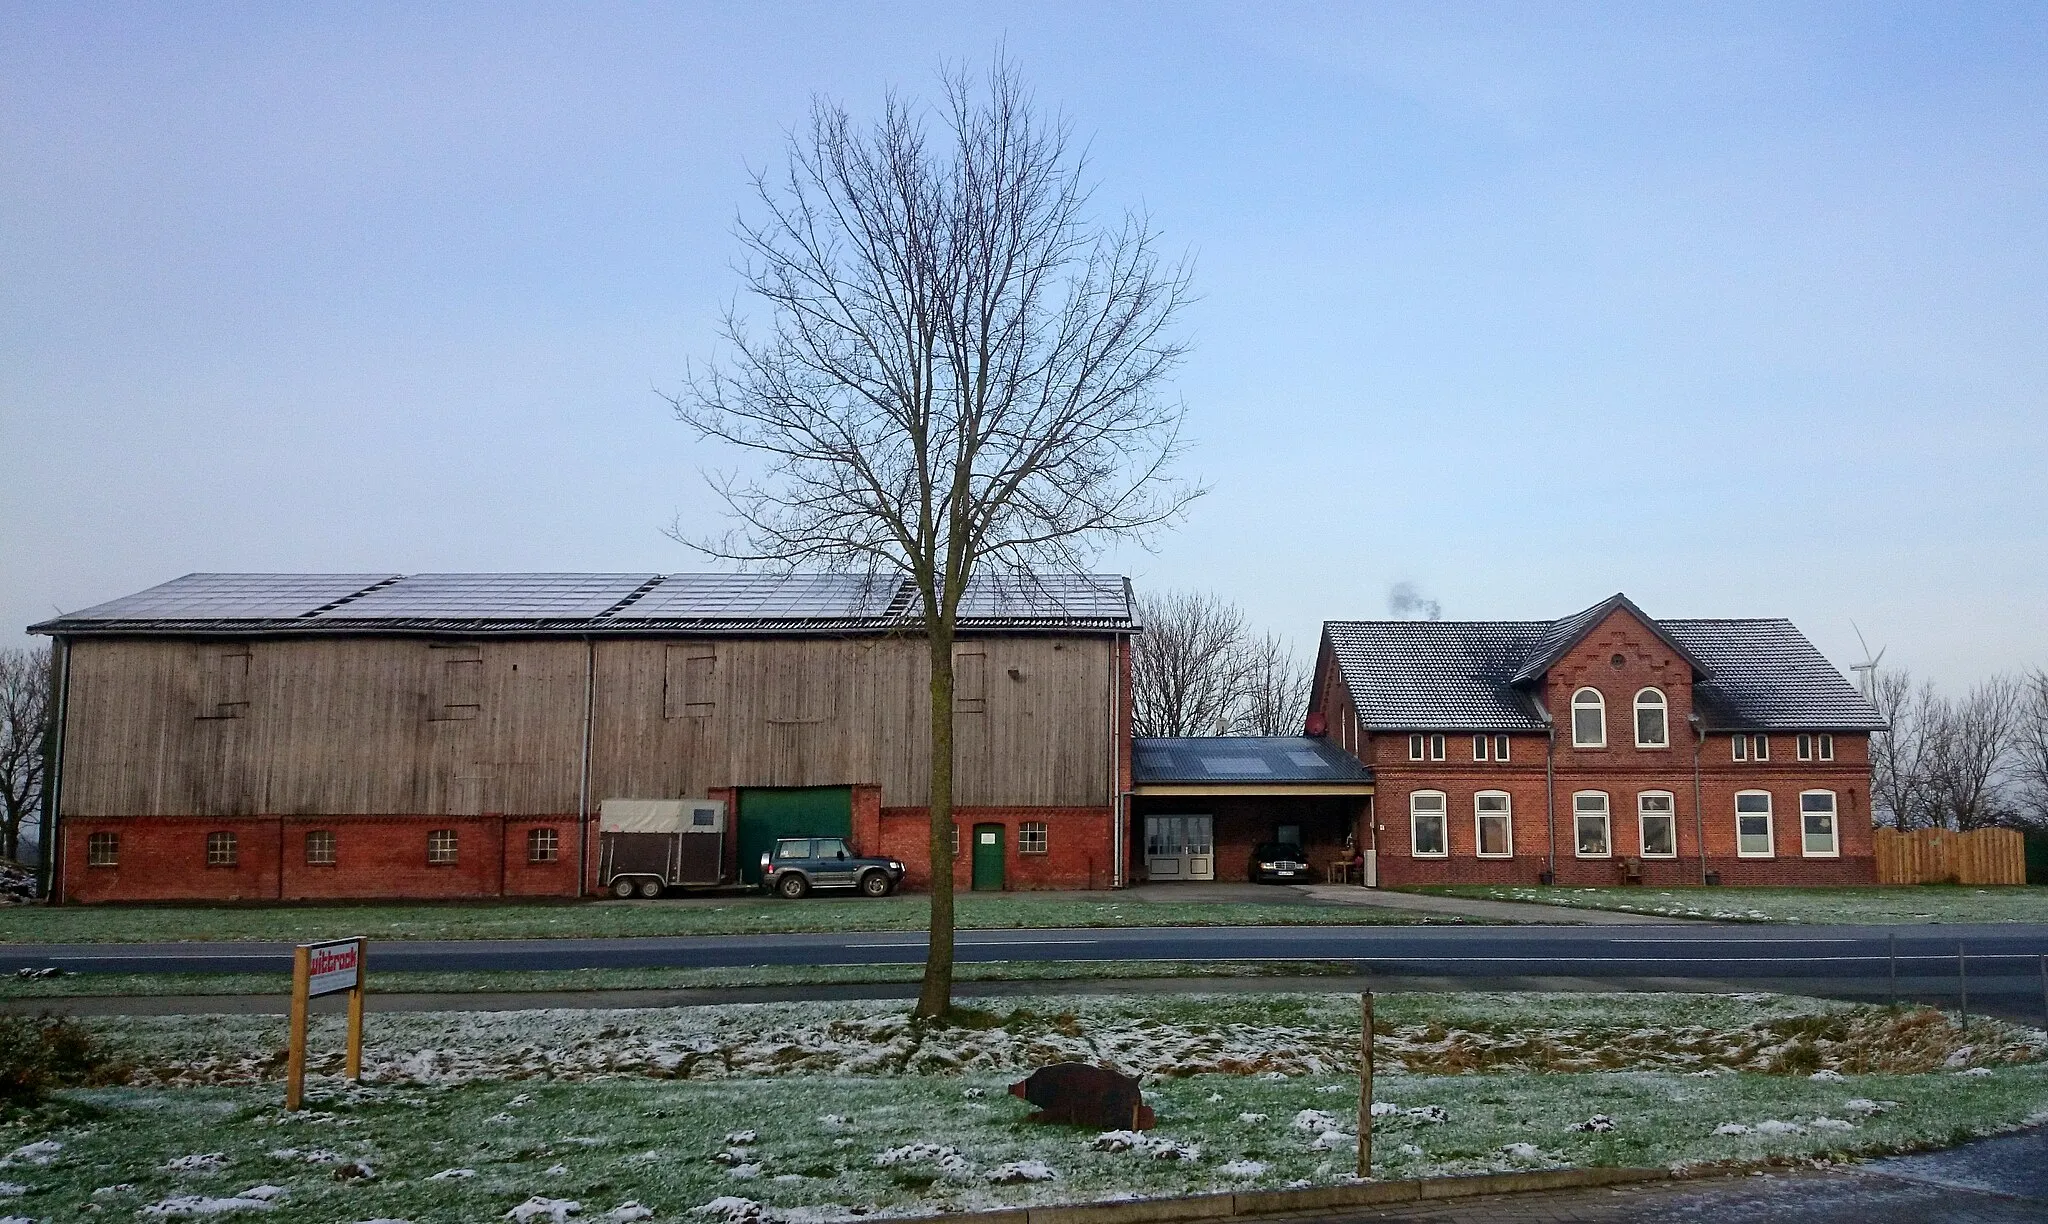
(799, 864)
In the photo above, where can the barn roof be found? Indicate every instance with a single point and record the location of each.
(1480, 675)
(583, 604)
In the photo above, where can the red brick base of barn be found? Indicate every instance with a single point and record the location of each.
(1078, 846)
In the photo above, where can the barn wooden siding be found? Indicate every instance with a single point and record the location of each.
(1942, 856)
(393, 725)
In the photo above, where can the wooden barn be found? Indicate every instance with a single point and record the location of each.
(297, 736)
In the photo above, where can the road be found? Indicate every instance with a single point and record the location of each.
(2004, 963)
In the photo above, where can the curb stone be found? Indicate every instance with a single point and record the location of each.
(1314, 1198)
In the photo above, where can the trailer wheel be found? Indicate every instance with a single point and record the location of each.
(622, 887)
(650, 888)
(793, 886)
(875, 884)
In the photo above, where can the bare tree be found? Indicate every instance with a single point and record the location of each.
(1901, 776)
(1945, 763)
(2030, 750)
(1197, 670)
(964, 374)
(1972, 752)
(1187, 667)
(24, 741)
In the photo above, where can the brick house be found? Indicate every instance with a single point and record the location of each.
(304, 736)
(1603, 748)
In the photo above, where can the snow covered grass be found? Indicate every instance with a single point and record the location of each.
(1898, 904)
(119, 984)
(818, 1111)
(724, 915)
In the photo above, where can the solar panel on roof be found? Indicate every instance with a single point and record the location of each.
(1236, 765)
(492, 597)
(1308, 760)
(232, 597)
(763, 597)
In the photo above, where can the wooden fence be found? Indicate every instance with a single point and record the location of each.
(1940, 856)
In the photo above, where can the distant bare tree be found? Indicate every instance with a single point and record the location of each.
(2030, 749)
(964, 374)
(1197, 670)
(1946, 762)
(24, 741)
(1901, 775)
(1977, 736)
(1187, 667)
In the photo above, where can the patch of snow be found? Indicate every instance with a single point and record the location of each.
(741, 1138)
(1521, 1151)
(1381, 1109)
(12, 1189)
(744, 1172)
(948, 1158)
(730, 1209)
(540, 1207)
(1315, 1120)
(41, 1152)
(1158, 1147)
(267, 1193)
(1731, 1128)
(1975, 1072)
(117, 1188)
(1864, 1105)
(1243, 1168)
(833, 1121)
(521, 1099)
(631, 1209)
(559, 1170)
(1333, 1140)
(500, 1119)
(1433, 1115)
(1825, 1076)
(1960, 1057)
(970, 1092)
(1598, 1124)
(1833, 1124)
(452, 1175)
(1327, 1088)
(1214, 1097)
(1409, 1149)
(187, 1206)
(1251, 1119)
(1274, 1075)
(1771, 1126)
(203, 1162)
(355, 1170)
(1019, 1171)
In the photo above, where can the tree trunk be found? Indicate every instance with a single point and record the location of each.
(935, 998)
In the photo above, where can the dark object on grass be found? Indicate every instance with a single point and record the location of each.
(38, 1053)
(1076, 1094)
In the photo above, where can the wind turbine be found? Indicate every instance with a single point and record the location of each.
(1866, 671)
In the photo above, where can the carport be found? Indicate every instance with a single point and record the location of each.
(1199, 806)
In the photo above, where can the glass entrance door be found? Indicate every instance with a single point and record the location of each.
(1180, 847)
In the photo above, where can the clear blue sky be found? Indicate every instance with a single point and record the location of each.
(1740, 309)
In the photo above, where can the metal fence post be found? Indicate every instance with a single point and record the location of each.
(1892, 956)
(1963, 993)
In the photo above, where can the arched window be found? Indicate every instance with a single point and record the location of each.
(1589, 719)
(1427, 836)
(1653, 728)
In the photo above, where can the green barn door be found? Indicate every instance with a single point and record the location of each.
(988, 858)
(810, 811)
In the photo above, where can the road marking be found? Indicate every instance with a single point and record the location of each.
(1700, 939)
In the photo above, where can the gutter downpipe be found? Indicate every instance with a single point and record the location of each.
(53, 786)
(1699, 819)
(1118, 797)
(1549, 791)
(583, 782)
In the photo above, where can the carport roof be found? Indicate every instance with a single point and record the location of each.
(1284, 763)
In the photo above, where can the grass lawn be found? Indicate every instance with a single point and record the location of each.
(810, 1112)
(1902, 904)
(481, 981)
(740, 915)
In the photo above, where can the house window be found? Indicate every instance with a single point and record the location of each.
(1827, 747)
(441, 846)
(103, 850)
(1426, 834)
(1495, 824)
(956, 841)
(1753, 824)
(1655, 818)
(1741, 747)
(320, 848)
(1652, 720)
(221, 850)
(1031, 837)
(1436, 747)
(1805, 749)
(1414, 747)
(1589, 719)
(1500, 747)
(542, 845)
(1589, 814)
(1817, 824)
(1760, 747)
(1480, 744)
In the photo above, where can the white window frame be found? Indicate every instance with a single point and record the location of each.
(1500, 747)
(1480, 746)
(1805, 752)
(543, 844)
(103, 849)
(1599, 703)
(1760, 748)
(1415, 747)
(1770, 816)
(1834, 849)
(1739, 747)
(1506, 815)
(321, 847)
(1443, 816)
(1034, 837)
(1437, 748)
(1663, 708)
(223, 849)
(1606, 821)
(1670, 813)
(444, 847)
(1826, 743)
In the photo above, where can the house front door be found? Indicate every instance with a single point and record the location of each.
(1180, 847)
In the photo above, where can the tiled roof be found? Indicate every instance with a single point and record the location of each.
(605, 604)
(1479, 675)
(1280, 758)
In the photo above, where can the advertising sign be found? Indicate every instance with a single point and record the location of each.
(333, 967)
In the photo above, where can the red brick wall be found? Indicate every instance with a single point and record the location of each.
(1078, 844)
(163, 858)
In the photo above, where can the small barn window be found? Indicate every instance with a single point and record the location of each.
(1031, 838)
(542, 845)
(320, 848)
(224, 682)
(1589, 719)
(689, 673)
(457, 681)
(970, 682)
(103, 850)
(441, 845)
(222, 850)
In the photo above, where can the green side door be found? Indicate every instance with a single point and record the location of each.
(806, 811)
(988, 858)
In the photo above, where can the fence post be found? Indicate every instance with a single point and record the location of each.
(2044, 992)
(1892, 956)
(1963, 993)
(1365, 1085)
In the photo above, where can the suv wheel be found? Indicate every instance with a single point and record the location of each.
(650, 888)
(622, 887)
(792, 886)
(875, 884)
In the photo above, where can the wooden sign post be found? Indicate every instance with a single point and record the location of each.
(322, 969)
(1365, 1087)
